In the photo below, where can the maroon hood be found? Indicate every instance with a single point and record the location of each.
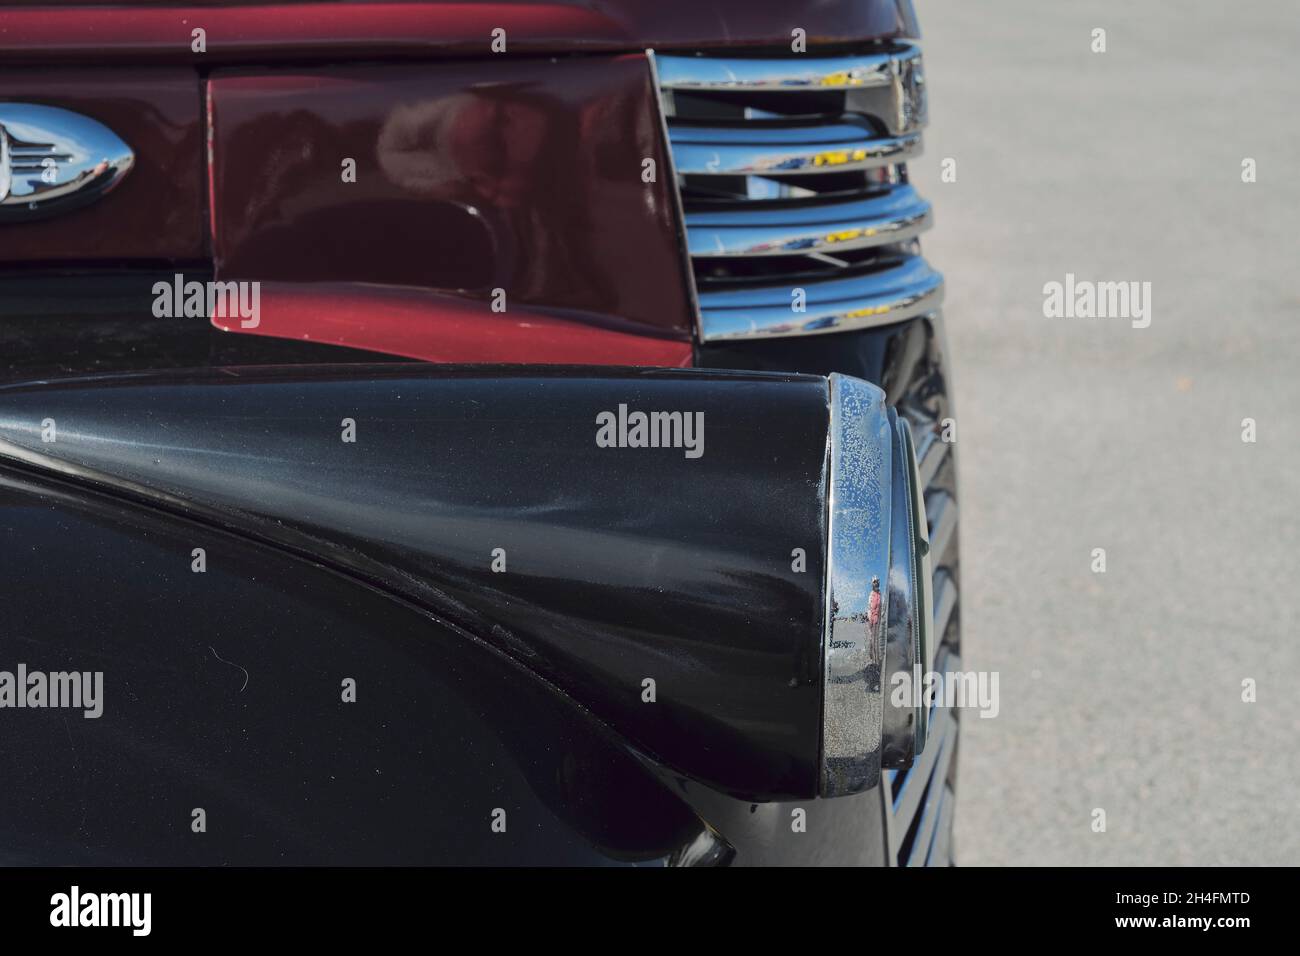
(706, 23)
(314, 29)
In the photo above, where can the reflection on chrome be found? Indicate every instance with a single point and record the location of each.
(800, 218)
(903, 291)
(878, 591)
(53, 160)
(802, 73)
(858, 517)
(894, 216)
(779, 147)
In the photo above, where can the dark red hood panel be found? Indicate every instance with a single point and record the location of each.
(513, 171)
(713, 23)
(278, 32)
(522, 176)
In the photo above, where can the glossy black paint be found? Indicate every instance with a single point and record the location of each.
(445, 729)
(909, 361)
(55, 323)
(622, 564)
(223, 691)
(890, 356)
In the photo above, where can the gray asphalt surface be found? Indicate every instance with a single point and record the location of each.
(1122, 690)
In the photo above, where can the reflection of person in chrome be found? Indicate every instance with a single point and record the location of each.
(873, 607)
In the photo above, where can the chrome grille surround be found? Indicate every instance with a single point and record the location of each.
(792, 176)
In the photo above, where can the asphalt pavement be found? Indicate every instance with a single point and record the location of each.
(1122, 691)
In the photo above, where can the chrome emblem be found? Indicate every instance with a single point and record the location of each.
(53, 160)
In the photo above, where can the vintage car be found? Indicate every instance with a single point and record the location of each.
(490, 433)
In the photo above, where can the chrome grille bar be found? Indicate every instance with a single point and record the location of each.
(799, 216)
(919, 800)
(945, 601)
(938, 802)
(894, 216)
(931, 762)
(931, 450)
(793, 74)
(784, 149)
(942, 513)
(908, 289)
(940, 851)
(917, 797)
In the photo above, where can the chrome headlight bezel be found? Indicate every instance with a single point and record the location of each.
(878, 592)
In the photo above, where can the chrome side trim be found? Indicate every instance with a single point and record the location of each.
(793, 74)
(903, 291)
(859, 505)
(785, 150)
(895, 216)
